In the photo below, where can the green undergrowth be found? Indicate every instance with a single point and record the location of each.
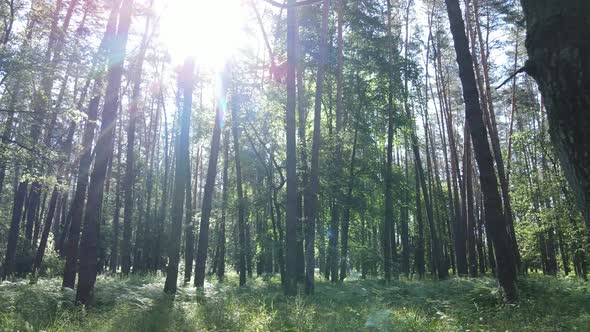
(137, 303)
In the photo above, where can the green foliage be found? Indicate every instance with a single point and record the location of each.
(138, 304)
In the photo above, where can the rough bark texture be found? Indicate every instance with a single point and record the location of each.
(506, 269)
(104, 152)
(559, 59)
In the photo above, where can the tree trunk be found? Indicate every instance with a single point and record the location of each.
(388, 201)
(189, 229)
(419, 260)
(186, 83)
(346, 216)
(474, 117)
(290, 284)
(9, 261)
(203, 244)
(114, 263)
(311, 197)
(470, 217)
(301, 123)
(241, 206)
(46, 229)
(224, 196)
(77, 207)
(559, 60)
(104, 152)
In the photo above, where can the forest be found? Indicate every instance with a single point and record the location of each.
(294, 165)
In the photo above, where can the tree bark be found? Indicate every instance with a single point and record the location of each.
(77, 207)
(203, 244)
(311, 197)
(224, 196)
(290, 285)
(241, 218)
(474, 117)
(559, 60)
(346, 216)
(186, 83)
(46, 229)
(104, 152)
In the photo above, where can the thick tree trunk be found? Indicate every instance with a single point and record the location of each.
(490, 121)
(559, 60)
(506, 266)
(104, 152)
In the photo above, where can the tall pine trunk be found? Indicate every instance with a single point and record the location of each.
(186, 83)
(311, 197)
(290, 283)
(506, 268)
(203, 244)
(104, 152)
(241, 217)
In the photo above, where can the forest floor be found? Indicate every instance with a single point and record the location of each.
(139, 304)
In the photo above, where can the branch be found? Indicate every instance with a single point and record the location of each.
(278, 168)
(5, 139)
(10, 111)
(297, 4)
(521, 70)
(266, 42)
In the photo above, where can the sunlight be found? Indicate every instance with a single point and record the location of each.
(209, 30)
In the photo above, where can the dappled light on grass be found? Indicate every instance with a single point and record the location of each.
(137, 303)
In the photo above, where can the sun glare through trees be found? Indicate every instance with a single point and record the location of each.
(294, 165)
(212, 31)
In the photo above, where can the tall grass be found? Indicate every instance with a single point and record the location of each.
(137, 303)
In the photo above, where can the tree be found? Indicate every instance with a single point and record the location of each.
(186, 82)
(203, 244)
(241, 217)
(220, 253)
(311, 197)
(506, 268)
(559, 61)
(290, 125)
(103, 153)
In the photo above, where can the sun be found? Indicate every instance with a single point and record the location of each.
(211, 31)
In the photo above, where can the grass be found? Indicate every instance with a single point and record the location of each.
(137, 303)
